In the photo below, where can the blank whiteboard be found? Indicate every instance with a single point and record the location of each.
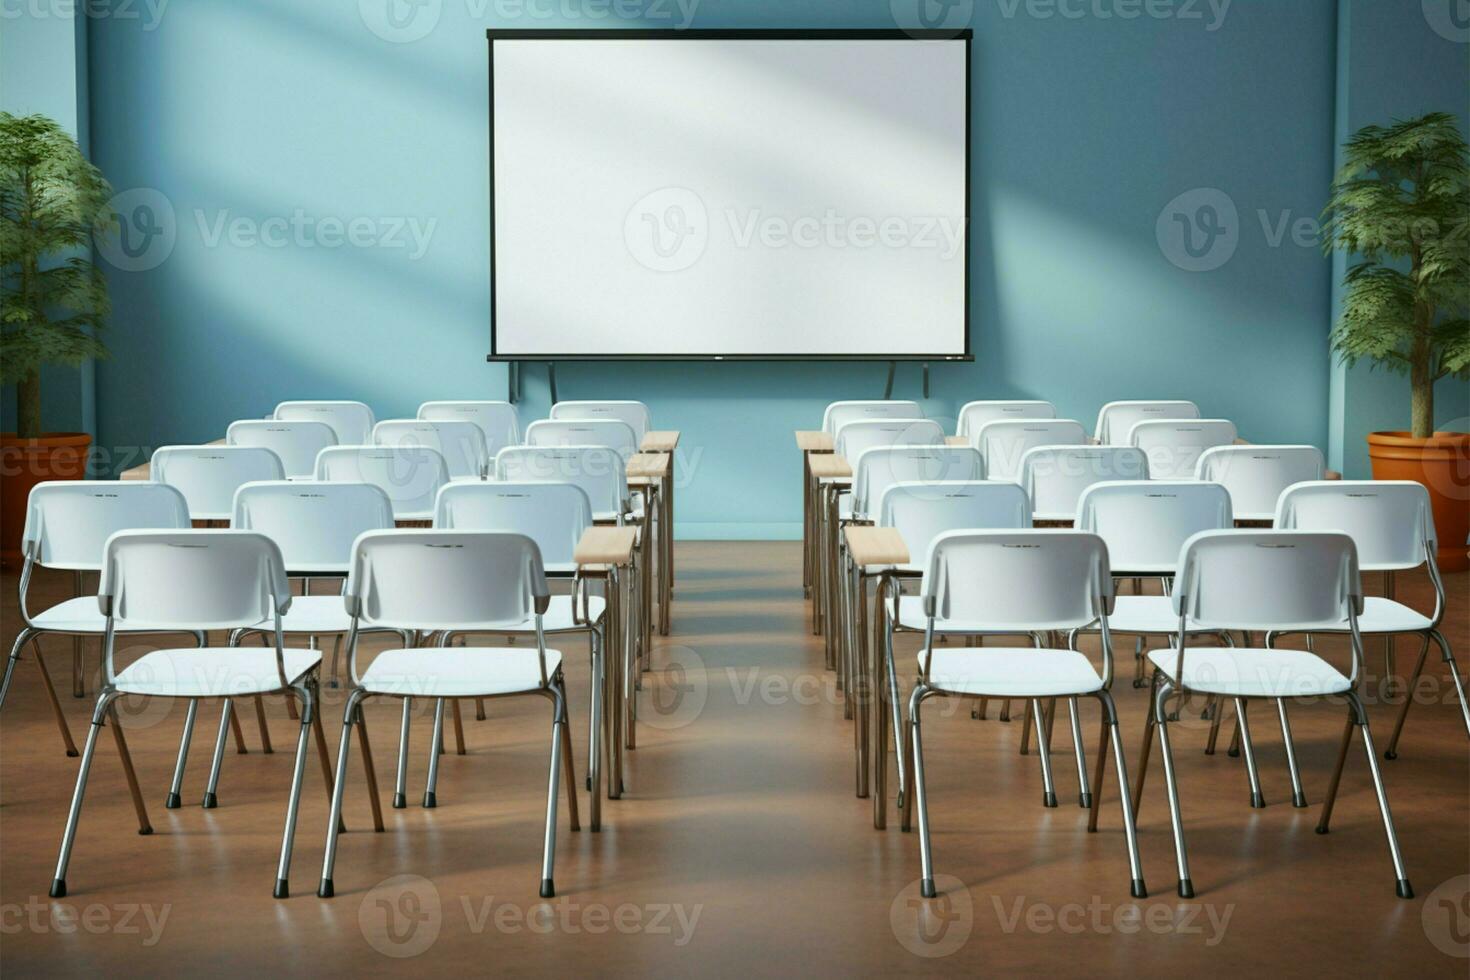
(751, 194)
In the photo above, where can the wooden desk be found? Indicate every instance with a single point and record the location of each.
(810, 442)
(659, 441)
(829, 473)
(956, 440)
(830, 467)
(603, 553)
(813, 441)
(144, 471)
(654, 473)
(665, 441)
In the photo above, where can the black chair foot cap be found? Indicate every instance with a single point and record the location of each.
(1048, 799)
(1321, 829)
(172, 803)
(430, 801)
(72, 753)
(58, 888)
(589, 784)
(1403, 889)
(1209, 750)
(1299, 800)
(926, 888)
(144, 831)
(1186, 888)
(1084, 800)
(1137, 890)
(1258, 801)
(1233, 753)
(399, 802)
(283, 890)
(1390, 756)
(548, 890)
(325, 890)
(210, 801)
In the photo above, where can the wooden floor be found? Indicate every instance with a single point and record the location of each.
(739, 848)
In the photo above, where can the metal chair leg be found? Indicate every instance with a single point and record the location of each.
(558, 735)
(926, 854)
(1332, 784)
(479, 709)
(1026, 727)
(1048, 790)
(370, 772)
(1298, 798)
(1186, 886)
(436, 746)
(227, 714)
(458, 728)
(329, 858)
(400, 785)
(293, 804)
(1218, 713)
(265, 732)
(1393, 741)
(20, 641)
(238, 733)
(570, 766)
(134, 790)
(1257, 800)
(68, 836)
(1402, 888)
(1143, 753)
(1084, 796)
(172, 803)
(1103, 737)
(325, 758)
(1449, 660)
(1136, 887)
(71, 747)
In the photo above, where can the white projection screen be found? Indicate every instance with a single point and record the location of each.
(729, 194)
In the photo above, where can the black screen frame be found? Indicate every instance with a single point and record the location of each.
(965, 35)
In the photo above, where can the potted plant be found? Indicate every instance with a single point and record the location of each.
(52, 299)
(1401, 203)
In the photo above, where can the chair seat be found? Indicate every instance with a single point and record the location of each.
(213, 672)
(1145, 614)
(83, 615)
(1252, 672)
(1387, 616)
(315, 614)
(1012, 671)
(457, 672)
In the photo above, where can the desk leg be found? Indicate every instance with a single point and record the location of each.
(878, 699)
(630, 661)
(650, 548)
(857, 692)
(806, 524)
(613, 674)
(669, 506)
(666, 567)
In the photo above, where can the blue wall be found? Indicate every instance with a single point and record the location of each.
(1085, 129)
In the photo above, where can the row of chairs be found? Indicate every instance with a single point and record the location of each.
(1115, 420)
(468, 575)
(1264, 583)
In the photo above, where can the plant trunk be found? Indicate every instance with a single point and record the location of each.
(28, 406)
(1421, 406)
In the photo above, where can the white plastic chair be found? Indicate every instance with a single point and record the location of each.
(1267, 582)
(352, 421)
(1392, 524)
(616, 435)
(208, 476)
(197, 580)
(881, 467)
(1174, 446)
(1004, 443)
(839, 414)
(599, 471)
(1055, 476)
(635, 414)
(410, 475)
(854, 438)
(1257, 475)
(1116, 419)
(296, 443)
(454, 583)
(1041, 580)
(461, 443)
(499, 421)
(975, 414)
(67, 525)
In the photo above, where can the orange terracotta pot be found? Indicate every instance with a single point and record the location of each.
(1442, 464)
(25, 463)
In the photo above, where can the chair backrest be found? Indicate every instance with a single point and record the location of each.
(920, 512)
(297, 443)
(208, 476)
(352, 421)
(853, 438)
(445, 580)
(1264, 580)
(1040, 579)
(461, 443)
(410, 475)
(314, 524)
(68, 522)
(839, 414)
(976, 414)
(193, 579)
(1145, 523)
(1257, 475)
(635, 414)
(1055, 476)
(614, 434)
(597, 470)
(1174, 446)
(1116, 419)
(882, 466)
(1390, 521)
(554, 515)
(1004, 443)
(500, 421)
